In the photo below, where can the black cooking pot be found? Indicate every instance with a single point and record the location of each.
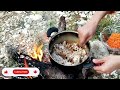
(70, 36)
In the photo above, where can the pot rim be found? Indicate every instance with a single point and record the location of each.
(88, 44)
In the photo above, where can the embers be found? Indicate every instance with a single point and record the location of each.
(48, 71)
(27, 61)
(30, 61)
(23, 57)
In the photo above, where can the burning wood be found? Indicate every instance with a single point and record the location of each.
(26, 65)
(37, 52)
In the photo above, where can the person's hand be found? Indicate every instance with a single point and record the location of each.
(86, 32)
(107, 64)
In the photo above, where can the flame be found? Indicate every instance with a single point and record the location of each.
(37, 52)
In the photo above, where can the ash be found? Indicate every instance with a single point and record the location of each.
(55, 73)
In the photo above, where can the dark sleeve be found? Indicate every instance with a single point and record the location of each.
(111, 12)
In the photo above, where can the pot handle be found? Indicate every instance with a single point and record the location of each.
(89, 63)
(51, 30)
(61, 27)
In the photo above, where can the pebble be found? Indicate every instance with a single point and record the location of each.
(2, 56)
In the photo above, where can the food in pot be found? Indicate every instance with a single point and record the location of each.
(69, 54)
(114, 40)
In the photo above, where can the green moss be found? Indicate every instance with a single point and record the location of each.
(107, 21)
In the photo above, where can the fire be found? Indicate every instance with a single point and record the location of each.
(37, 52)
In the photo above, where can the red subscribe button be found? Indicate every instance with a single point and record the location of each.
(20, 71)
